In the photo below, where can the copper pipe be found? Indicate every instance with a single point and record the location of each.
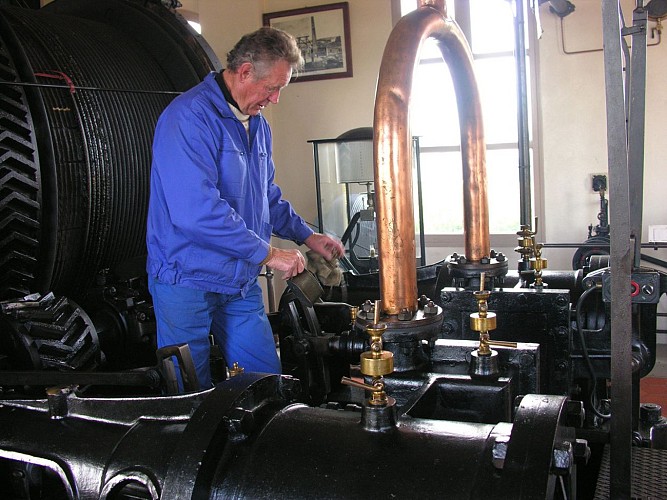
(392, 147)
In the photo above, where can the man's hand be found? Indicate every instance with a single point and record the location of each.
(290, 262)
(326, 246)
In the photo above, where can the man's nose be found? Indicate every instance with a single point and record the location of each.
(274, 97)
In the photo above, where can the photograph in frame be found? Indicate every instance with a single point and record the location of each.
(323, 35)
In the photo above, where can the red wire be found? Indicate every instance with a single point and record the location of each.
(59, 75)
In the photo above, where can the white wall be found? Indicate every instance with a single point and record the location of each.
(573, 124)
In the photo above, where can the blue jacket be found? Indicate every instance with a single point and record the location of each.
(213, 203)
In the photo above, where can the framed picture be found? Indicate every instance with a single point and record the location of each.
(323, 35)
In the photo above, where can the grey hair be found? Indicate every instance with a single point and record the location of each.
(263, 48)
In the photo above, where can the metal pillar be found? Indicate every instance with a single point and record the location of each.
(617, 151)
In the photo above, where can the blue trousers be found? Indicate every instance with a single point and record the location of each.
(238, 324)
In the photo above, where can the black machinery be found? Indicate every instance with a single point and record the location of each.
(459, 380)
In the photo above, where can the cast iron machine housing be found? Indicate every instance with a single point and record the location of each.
(466, 432)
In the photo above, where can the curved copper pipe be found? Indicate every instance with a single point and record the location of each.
(392, 148)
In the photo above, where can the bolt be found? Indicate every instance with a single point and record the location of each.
(448, 328)
(562, 458)
(575, 413)
(485, 260)
(430, 309)
(241, 420)
(561, 301)
(650, 413)
(581, 450)
(446, 296)
(462, 259)
(499, 451)
(404, 314)
(501, 257)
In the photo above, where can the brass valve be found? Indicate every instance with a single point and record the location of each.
(483, 321)
(235, 369)
(378, 395)
(354, 311)
(525, 240)
(376, 362)
(538, 264)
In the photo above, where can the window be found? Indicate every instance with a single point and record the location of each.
(489, 28)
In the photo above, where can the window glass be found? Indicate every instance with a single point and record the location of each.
(496, 81)
(434, 118)
(433, 111)
(502, 174)
(489, 22)
(442, 193)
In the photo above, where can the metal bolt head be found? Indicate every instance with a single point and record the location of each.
(404, 315)
(575, 413)
(581, 450)
(650, 413)
(240, 420)
(499, 451)
(562, 458)
(430, 309)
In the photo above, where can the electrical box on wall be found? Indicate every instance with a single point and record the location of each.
(657, 233)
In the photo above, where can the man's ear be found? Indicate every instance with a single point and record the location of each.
(245, 71)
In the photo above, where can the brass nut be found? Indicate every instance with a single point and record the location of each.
(479, 324)
(376, 366)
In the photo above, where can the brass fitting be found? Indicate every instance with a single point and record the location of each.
(376, 362)
(483, 321)
(235, 369)
(525, 240)
(538, 264)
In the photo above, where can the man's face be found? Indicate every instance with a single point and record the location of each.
(262, 85)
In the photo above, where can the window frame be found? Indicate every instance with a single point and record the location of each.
(463, 19)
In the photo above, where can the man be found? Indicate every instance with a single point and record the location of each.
(214, 205)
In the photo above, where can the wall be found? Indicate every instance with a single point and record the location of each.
(573, 128)
(573, 124)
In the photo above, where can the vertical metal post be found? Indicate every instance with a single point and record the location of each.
(621, 360)
(318, 191)
(636, 125)
(525, 198)
(420, 204)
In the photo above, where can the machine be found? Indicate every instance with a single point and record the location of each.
(465, 379)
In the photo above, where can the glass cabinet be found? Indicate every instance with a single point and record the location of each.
(346, 196)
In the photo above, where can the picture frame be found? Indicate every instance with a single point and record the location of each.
(323, 35)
